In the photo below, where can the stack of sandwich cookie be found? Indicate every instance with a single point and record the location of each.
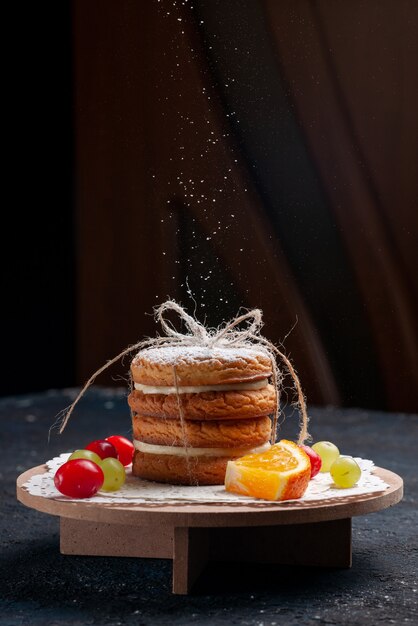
(195, 408)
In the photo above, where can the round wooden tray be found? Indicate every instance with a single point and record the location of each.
(314, 533)
(214, 515)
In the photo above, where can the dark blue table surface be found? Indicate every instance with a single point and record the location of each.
(39, 586)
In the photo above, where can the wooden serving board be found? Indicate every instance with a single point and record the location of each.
(296, 533)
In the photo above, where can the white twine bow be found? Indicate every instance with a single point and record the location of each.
(225, 336)
(199, 335)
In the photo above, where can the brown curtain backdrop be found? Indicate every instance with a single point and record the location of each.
(351, 69)
(147, 166)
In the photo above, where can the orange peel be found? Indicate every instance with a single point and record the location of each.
(280, 473)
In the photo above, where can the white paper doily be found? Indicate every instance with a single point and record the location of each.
(137, 491)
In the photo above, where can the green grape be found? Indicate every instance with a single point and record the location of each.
(345, 472)
(86, 454)
(328, 453)
(114, 474)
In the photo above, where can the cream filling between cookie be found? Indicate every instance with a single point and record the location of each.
(150, 448)
(249, 386)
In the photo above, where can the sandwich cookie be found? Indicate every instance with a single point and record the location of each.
(194, 408)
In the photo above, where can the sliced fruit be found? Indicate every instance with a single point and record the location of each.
(280, 473)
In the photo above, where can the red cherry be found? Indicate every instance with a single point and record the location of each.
(124, 448)
(315, 459)
(103, 448)
(79, 478)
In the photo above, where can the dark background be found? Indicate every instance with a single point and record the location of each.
(38, 234)
(264, 153)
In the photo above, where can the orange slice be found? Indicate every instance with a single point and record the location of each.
(280, 473)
